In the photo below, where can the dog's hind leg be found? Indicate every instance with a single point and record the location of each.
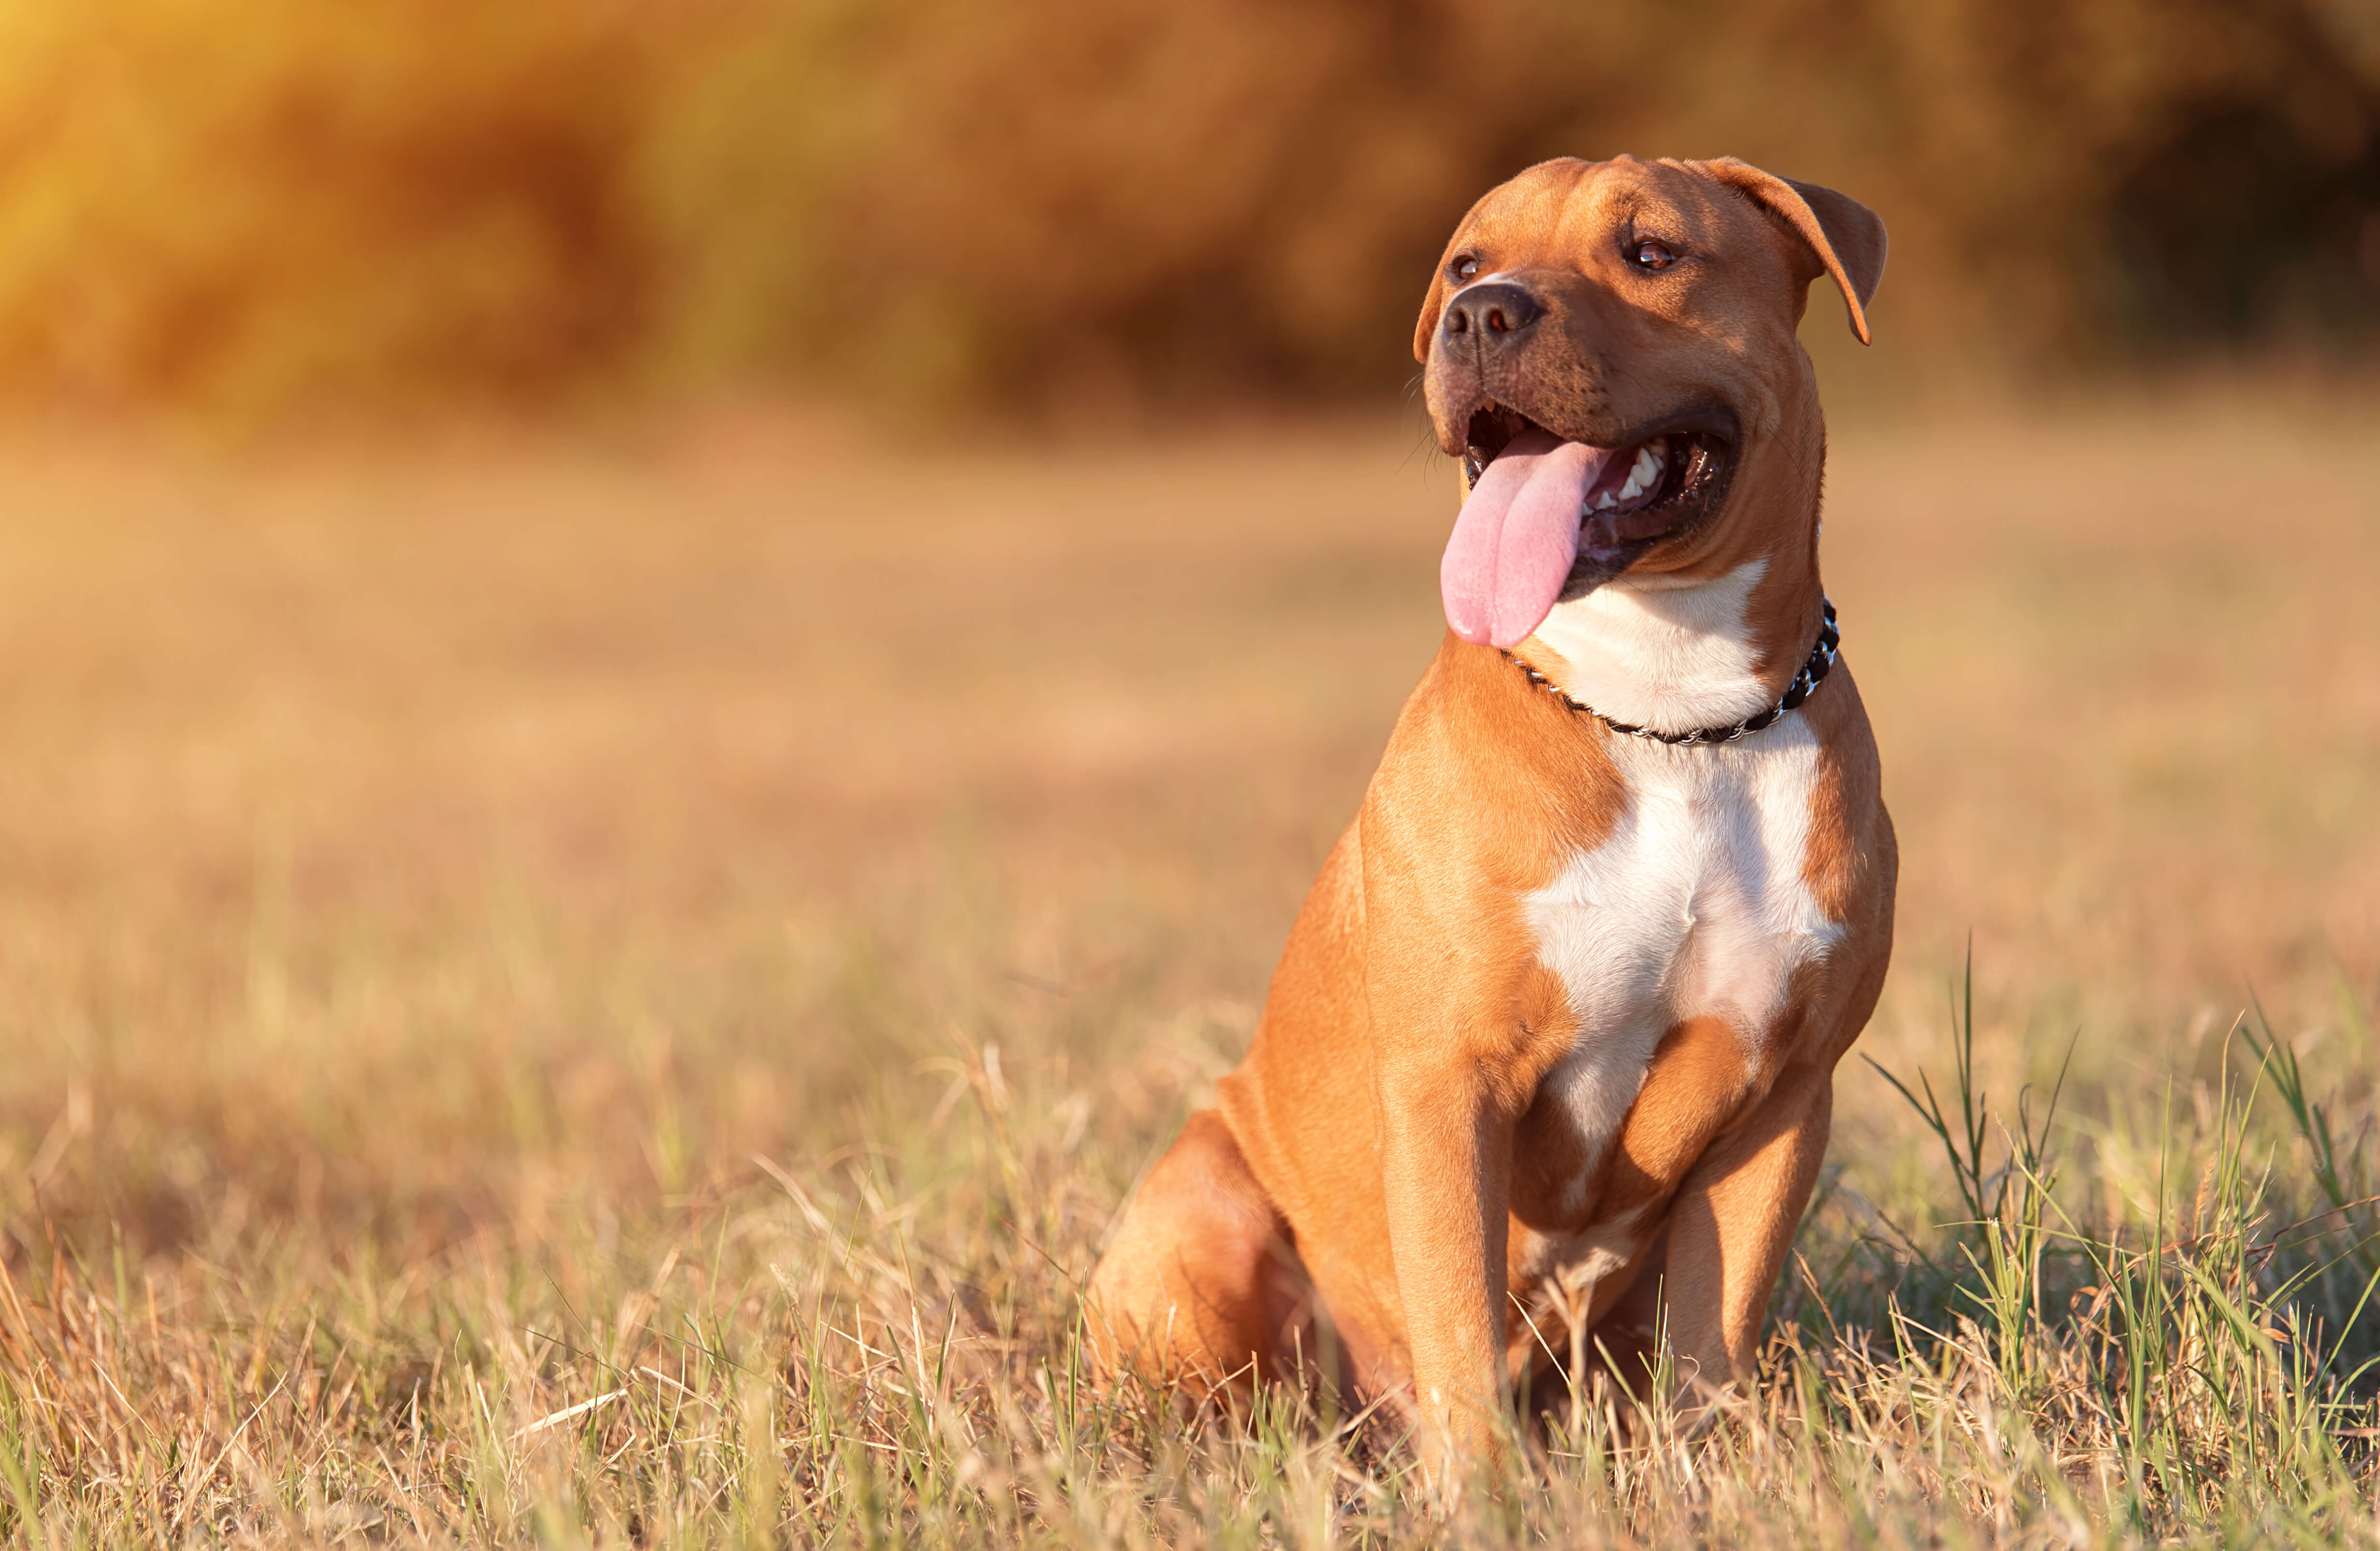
(1200, 1287)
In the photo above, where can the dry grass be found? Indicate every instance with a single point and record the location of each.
(706, 933)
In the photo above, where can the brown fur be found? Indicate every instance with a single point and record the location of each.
(1387, 1121)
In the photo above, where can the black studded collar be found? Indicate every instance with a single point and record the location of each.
(1813, 672)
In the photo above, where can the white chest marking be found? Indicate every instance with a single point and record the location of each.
(1667, 657)
(1696, 904)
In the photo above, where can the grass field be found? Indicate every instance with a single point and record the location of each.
(556, 991)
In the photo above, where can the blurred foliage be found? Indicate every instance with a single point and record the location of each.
(259, 203)
(236, 202)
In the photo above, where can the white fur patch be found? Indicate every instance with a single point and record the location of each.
(1696, 904)
(1602, 1250)
(1661, 655)
(1576, 1261)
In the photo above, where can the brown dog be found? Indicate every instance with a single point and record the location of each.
(1552, 1043)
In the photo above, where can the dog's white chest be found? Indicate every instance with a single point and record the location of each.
(1696, 904)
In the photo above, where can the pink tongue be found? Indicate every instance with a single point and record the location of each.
(1517, 537)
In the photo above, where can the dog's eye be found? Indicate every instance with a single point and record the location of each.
(1465, 267)
(1653, 255)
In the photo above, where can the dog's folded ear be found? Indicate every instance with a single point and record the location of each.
(1845, 237)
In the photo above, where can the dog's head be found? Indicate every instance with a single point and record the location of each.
(1609, 347)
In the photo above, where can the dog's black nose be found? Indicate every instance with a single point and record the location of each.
(1496, 311)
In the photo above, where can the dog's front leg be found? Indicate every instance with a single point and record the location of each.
(1446, 1150)
(1731, 1226)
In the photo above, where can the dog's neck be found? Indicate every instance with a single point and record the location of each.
(1673, 654)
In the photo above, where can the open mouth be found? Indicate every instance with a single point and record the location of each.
(1550, 518)
(1646, 488)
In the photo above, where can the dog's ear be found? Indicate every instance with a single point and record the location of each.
(1844, 236)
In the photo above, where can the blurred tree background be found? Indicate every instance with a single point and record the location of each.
(256, 205)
